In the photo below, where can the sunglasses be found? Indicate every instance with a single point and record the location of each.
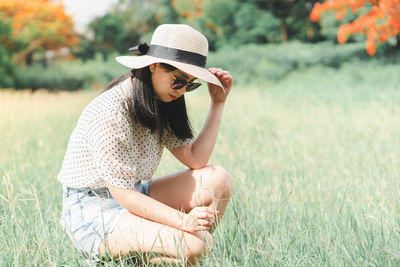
(180, 83)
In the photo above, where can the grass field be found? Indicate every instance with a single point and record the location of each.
(314, 159)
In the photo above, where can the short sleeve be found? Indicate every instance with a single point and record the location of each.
(111, 142)
(171, 141)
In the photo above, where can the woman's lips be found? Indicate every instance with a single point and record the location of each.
(173, 97)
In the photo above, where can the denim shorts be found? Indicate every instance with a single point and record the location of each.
(89, 214)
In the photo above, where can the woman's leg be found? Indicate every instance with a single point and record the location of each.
(209, 186)
(136, 234)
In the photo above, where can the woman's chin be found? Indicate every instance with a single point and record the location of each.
(172, 97)
(167, 98)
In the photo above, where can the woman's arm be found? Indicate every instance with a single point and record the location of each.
(198, 219)
(196, 155)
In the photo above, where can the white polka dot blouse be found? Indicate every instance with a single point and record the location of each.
(107, 146)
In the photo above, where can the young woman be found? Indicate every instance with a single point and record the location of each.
(111, 205)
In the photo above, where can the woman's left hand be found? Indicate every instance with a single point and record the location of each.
(216, 92)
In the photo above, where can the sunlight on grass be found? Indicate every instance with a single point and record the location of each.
(315, 164)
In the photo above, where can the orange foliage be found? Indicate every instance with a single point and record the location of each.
(380, 22)
(42, 24)
(189, 8)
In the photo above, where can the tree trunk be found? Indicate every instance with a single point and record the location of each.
(284, 36)
(29, 58)
(398, 41)
(105, 55)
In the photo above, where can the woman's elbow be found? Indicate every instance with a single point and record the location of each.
(196, 165)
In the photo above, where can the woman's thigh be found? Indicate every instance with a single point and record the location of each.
(187, 189)
(136, 234)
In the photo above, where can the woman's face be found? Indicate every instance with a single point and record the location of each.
(162, 80)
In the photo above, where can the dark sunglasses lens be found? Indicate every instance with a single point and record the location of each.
(178, 84)
(192, 87)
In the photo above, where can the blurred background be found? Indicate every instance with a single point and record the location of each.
(310, 132)
(70, 44)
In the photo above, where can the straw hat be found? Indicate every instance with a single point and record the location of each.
(178, 45)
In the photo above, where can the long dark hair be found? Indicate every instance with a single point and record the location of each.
(152, 113)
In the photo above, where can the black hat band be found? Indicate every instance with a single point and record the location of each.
(177, 55)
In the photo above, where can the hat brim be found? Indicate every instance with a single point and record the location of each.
(138, 62)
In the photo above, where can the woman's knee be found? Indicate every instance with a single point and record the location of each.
(223, 180)
(197, 245)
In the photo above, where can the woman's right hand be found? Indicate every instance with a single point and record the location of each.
(199, 219)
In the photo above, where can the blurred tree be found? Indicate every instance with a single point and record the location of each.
(42, 24)
(226, 22)
(223, 22)
(189, 9)
(130, 22)
(213, 18)
(8, 48)
(108, 30)
(377, 19)
(86, 49)
(255, 25)
(292, 16)
(250, 21)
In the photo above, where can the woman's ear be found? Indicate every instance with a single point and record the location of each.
(152, 67)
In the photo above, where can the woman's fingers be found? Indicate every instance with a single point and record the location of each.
(208, 210)
(205, 213)
(205, 209)
(202, 218)
(222, 74)
(202, 215)
(218, 71)
(202, 228)
(213, 70)
(227, 79)
(205, 216)
(203, 225)
(203, 222)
